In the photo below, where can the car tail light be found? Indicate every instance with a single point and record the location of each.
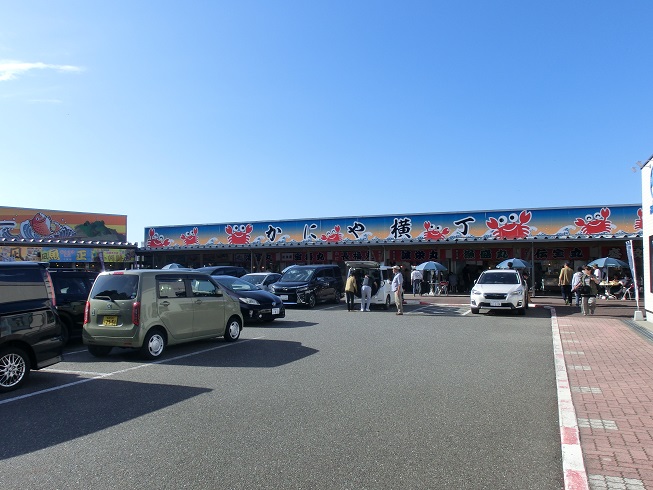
(87, 313)
(136, 313)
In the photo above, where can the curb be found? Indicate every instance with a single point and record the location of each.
(573, 466)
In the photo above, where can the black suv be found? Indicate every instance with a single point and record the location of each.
(309, 284)
(30, 333)
(223, 270)
(71, 290)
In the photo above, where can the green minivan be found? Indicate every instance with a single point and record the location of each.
(149, 309)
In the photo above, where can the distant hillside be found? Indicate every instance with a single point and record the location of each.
(99, 231)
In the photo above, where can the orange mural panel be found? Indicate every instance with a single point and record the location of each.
(42, 223)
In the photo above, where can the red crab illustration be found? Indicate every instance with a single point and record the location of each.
(156, 240)
(513, 226)
(239, 234)
(599, 223)
(638, 222)
(333, 235)
(434, 232)
(190, 237)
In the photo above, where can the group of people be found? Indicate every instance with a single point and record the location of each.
(583, 284)
(351, 288)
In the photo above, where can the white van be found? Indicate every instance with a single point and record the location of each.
(380, 280)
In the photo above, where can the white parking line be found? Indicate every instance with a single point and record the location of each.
(121, 371)
(70, 371)
(83, 351)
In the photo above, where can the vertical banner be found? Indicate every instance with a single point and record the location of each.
(631, 262)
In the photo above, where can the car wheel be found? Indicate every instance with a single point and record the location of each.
(336, 297)
(14, 368)
(521, 311)
(386, 305)
(99, 350)
(232, 332)
(311, 301)
(476, 311)
(154, 344)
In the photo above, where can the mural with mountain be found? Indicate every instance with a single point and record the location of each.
(97, 230)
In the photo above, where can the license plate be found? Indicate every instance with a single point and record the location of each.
(495, 303)
(276, 311)
(110, 321)
(284, 297)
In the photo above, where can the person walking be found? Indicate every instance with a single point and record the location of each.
(366, 294)
(416, 280)
(397, 289)
(350, 291)
(564, 281)
(588, 291)
(574, 284)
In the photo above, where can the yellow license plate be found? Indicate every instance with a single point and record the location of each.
(110, 321)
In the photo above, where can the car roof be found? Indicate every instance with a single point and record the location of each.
(169, 272)
(314, 266)
(362, 263)
(22, 263)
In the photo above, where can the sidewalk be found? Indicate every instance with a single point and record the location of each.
(609, 368)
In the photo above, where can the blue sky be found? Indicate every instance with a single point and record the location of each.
(226, 112)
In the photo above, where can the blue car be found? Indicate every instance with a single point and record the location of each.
(255, 303)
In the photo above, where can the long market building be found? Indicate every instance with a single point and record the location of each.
(464, 242)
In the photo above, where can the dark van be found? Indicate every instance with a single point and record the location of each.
(71, 290)
(309, 285)
(30, 334)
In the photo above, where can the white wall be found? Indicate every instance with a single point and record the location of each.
(647, 222)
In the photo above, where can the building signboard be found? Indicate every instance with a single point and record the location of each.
(513, 224)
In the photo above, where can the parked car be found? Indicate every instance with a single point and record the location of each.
(150, 309)
(262, 279)
(499, 289)
(380, 281)
(310, 284)
(256, 304)
(223, 270)
(30, 332)
(71, 290)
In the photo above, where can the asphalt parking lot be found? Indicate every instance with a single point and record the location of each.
(325, 398)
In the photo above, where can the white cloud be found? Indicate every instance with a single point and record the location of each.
(10, 70)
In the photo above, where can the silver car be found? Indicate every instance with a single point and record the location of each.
(499, 289)
(262, 279)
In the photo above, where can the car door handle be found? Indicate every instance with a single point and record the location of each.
(165, 303)
(198, 301)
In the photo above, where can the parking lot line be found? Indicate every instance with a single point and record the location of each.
(121, 371)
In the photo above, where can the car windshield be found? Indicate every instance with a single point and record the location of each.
(254, 278)
(235, 284)
(499, 278)
(297, 274)
(116, 287)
